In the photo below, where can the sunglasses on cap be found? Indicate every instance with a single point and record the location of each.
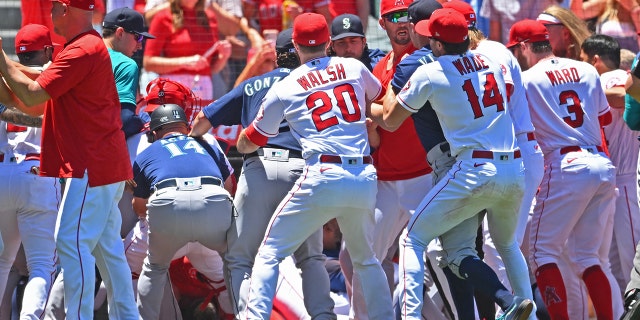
(138, 37)
(397, 17)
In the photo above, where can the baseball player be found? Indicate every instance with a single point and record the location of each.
(603, 52)
(267, 175)
(481, 137)
(81, 98)
(325, 101)
(184, 203)
(348, 40)
(403, 171)
(123, 33)
(568, 107)
(30, 202)
(532, 157)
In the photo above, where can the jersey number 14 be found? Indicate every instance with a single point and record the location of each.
(490, 97)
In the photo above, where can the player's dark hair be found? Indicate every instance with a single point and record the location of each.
(604, 46)
(456, 48)
(287, 59)
(108, 32)
(541, 47)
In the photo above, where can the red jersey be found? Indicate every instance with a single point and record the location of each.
(81, 125)
(189, 40)
(269, 13)
(338, 7)
(39, 12)
(400, 155)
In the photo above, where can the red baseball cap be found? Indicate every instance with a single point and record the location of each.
(310, 30)
(446, 25)
(33, 37)
(465, 9)
(390, 6)
(87, 5)
(527, 31)
(162, 91)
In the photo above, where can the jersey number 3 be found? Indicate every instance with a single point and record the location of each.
(572, 101)
(490, 97)
(320, 105)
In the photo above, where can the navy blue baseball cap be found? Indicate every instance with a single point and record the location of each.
(346, 25)
(422, 9)
(128, 19)
(284, 42)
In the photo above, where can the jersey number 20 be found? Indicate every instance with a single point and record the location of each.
(490, 97)
(320, 104)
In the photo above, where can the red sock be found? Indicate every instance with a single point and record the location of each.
(553, 291)
(599, 291)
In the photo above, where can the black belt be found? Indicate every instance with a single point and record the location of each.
(260, 152)
(169, 183)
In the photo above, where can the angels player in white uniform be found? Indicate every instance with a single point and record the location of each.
(576, 197)
(519, 111)
(468, 93)
(603, 52)
(325, 101)
(29, 202)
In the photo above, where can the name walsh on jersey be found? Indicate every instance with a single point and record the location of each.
(315, 78)
(563, 76)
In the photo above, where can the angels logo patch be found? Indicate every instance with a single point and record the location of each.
(407, 86)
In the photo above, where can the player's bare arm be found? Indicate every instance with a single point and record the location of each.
(394, 114)
(140, 206)
(615, 97)
(244, 145)
(18, 117)
(28, 91)
(201, 125)
(10, 100)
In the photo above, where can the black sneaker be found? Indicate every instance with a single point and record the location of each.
(631, 305)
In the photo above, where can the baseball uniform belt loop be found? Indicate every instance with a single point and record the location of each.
(485, 154)
(274, 153)
(328, 158)
(592, 149)
(173, 183)
(531, 136)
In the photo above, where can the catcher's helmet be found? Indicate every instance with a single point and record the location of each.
(167, 113)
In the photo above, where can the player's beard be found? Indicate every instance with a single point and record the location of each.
(401, 36)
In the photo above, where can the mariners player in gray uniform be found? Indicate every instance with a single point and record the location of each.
(267, 175)
(181, 182)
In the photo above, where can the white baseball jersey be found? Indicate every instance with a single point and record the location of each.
(565, 99)
(23, 140)
(454, 83)
(323, 102)
(623, 142)
(518, 107)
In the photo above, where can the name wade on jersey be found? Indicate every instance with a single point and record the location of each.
(315, 78)
(564, 75)
(467, 65)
